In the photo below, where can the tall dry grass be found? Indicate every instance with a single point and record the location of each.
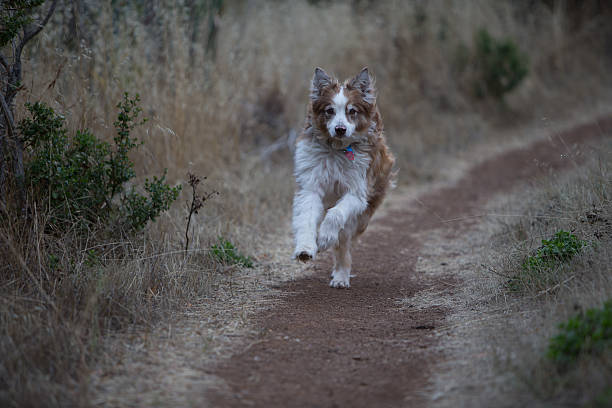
(229, 112)
(212, 113)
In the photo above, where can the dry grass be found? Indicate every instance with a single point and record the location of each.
(508, 327)
(76, 290)
(496, 338)
(219, 116)
(581, 203)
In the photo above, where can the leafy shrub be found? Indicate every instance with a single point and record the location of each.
(499, 64)
(79, 178)
(15, 15)
(561, 248)
(225, 252)
(139, 209)
(590, 332)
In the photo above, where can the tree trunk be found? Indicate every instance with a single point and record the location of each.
(9, 129)
(9, 141)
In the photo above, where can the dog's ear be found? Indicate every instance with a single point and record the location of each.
(319, 80)
(364, 82)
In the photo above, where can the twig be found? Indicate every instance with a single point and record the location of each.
(545, 291)
(162, 254)
(430, 210)
(197, 202)
(494, 272)
(504, 215)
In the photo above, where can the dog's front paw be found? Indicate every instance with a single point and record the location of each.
(305, 254)
(340, 281)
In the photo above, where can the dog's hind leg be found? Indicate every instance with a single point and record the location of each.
(342, 262)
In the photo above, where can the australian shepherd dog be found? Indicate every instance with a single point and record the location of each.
(343, 169)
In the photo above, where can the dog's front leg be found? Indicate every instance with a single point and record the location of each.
(349, 206)
(307, 213)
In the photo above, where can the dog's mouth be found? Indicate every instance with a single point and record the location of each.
(339, 143)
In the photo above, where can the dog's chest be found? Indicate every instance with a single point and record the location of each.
(329, 171)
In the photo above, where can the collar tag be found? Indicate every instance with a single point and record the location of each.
(348, 152)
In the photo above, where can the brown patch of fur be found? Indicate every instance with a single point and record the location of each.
(306, 132)
(318, 106)
(364, 109)
(379, 175)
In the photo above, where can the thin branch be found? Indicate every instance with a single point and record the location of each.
(29, 34)
(558, 285)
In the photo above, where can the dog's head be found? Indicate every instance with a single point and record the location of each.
(342, 112)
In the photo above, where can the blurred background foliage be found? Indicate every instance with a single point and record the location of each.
(231, 76)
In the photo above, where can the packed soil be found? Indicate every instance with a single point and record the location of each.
(324, 347)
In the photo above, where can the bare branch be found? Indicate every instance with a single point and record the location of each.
(28, 33)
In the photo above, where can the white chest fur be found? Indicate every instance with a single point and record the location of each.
(330, 173)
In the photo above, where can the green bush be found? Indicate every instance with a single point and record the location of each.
(590, 332)
(225, 252)
(81, 179)
(560, 248)
(500, 65)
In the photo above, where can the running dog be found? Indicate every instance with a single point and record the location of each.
(343, 169)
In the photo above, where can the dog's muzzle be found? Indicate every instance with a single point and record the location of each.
(340, 131)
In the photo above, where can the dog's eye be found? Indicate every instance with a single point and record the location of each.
(352, 112)
(329, 111)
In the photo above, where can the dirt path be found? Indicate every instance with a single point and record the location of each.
(359, 348)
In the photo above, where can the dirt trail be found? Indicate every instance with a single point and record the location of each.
(323, 347)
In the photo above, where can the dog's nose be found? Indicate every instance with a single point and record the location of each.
(340, 131)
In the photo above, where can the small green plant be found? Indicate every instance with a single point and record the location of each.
(543, 269)
(560, 248)
(225, 252)
(586, 333)
(500, 65)
(78, 179)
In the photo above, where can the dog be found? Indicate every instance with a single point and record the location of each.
(343, 170)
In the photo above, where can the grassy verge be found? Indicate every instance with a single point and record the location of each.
(557, 266)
